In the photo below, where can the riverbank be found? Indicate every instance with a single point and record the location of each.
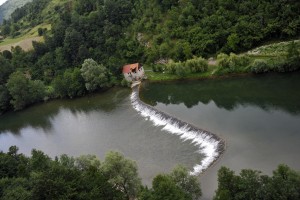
(162, 77)
(256, 66)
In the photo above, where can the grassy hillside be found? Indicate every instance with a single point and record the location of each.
(274, 49)
(9, 7)
(24, 40)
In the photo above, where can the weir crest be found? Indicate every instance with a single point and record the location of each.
(208, 144)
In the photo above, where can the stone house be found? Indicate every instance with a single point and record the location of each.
(133, 72)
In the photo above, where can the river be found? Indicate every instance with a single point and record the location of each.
(259, 117)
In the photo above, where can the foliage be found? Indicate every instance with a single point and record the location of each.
(276, 49)
(213, 26)
(6, 69)
(181, 70)
(85, 177)
(197, 65)
(40, 177)
(157, 67)
(171, 67)
(96, 76)
(70, 84)
(4, 99)
(250, 184)
(260, 66)
(179, 185)
(188, 183)
(122, 173)
(223, 60)
(232, 62)
(116, 32)
(24, 91)
(125, 83)
(177, 68)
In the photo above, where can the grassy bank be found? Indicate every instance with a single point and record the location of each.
(278, 57)
(166, 76)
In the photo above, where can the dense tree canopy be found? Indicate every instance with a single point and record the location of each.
(116, 32)
(250, 184)
(23, 90)
(116, 177)
(85, 177)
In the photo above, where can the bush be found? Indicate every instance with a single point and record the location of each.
(288, 65)
(15, 34)
(171, 67)
(236, 61)
(223, 60)
(181, 71)
(125, 83)
(232, 62)
(197, 65)
(157, 67)
(260, 66)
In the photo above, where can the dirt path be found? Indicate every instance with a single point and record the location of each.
(25, 44)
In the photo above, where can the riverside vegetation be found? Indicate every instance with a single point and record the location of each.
(86, 177)
(86, 42)
(116, 32)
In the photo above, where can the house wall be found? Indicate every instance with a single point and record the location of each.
(134, 76)
(128, 77)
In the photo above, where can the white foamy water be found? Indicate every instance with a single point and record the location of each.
(208, 144)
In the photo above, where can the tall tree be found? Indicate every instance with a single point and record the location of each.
(122, 174)
(24, 91)
(96, 76)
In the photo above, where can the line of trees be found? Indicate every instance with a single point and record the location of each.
(251, 184)
(86, 177)
(18, 90)
(116, 177)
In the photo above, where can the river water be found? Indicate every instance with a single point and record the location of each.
(259, 117)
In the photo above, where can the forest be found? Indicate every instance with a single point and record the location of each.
(116, 177)
(90, 40)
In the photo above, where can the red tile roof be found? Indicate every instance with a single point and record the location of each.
(129, 67)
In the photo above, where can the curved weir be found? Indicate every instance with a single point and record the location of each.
(209, 144)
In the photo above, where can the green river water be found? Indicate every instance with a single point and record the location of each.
(259, 117)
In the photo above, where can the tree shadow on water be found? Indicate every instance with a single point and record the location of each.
(41, 116)
(280, 92)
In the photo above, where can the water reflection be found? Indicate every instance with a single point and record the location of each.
(259, 117)
(41, 116)
(268, 92)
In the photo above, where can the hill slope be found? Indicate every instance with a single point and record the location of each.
(9, 7)
(115, 32)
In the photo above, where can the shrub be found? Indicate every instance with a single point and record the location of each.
(181, 71)
(40, 31)
(157, 67)
(197, 65)
(15, 34)
(125, 83)
(223, 60)
(236, 61)
(232, 62)
(260, 66)
(154, 68)
(288, 65)
(171, 67)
